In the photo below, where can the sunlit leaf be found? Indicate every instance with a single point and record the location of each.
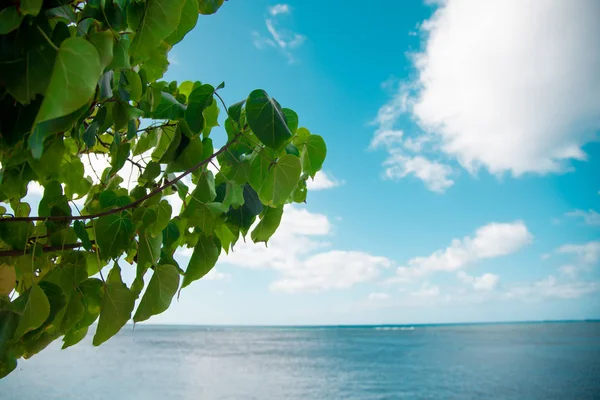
(160, 291)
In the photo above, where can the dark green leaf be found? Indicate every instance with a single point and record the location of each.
(81, 232)
(200, 98)
(113, 233)
(203, 259)
(266, 119)
(292, 119)
(209, 6)
(168, 108)
(10, 19)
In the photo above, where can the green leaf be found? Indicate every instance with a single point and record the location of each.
(189, 157)
(211, 118)
(145, 142)
(292, 119)
(151, 172)
(313, 154)
(225, 236)
(73, 313)
(302, 135)
(120, 53)
(281, 181)
(159, 293)
(82, 234)
(268, 224)
(172, 233)
(103, 41)
(113, 233)
(74, 336)
(234, 195)
(168, 108)
(35, 310)
(259, 170)
(160, 19)
(92, 290)
(148, 251)
(203, 259)
(132, 84)
(117, 306)
(8, 279)
(30, 7)
(10, 19)
(235, 111)
(163, 216)
(200, 98)
(266, 119)
(73, 82)
(207, 7)
(189, 17)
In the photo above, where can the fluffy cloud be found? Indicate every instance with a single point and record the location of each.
(281, 39)
(485, 282)
(279, 9)
(590, 217)
(435, 175)
(300, 256)
(519, 100)
(323, 181)
(490, 241)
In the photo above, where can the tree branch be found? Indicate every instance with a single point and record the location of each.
(128, 206)
(48, 249)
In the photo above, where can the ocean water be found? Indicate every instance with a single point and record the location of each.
(502, 361)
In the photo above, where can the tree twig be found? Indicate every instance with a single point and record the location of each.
(128, 206)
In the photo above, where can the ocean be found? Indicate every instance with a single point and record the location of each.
(487, 361)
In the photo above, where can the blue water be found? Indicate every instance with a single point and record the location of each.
(508, 361)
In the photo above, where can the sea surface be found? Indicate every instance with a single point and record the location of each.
(495, 361)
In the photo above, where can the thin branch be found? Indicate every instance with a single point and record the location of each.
(130, 205)
(141, 168)
(48, 249)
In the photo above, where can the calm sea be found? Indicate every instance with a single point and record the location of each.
(505, 361)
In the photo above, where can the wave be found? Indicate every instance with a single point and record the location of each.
(394, 328)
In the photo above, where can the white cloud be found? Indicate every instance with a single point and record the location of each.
(323, 181)
(281, 39)
(299, 255)
(279, 9)
(435, 175)
(485, 282)
(490, 241)
(519, 100)
(590, 217)
(377, 297)
(551, 287)
(588, 253)
(568, 270)
(214, 275)
(427, 291)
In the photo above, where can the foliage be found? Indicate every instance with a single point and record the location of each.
(81, 80)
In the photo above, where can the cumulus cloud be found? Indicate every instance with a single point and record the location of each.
(303, 259)
(490, 241)
(435, 175)
(590, 217)
(323, 181)
(519, 100)
(281, 39)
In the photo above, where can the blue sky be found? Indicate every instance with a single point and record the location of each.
(462, 171)
(462, 177)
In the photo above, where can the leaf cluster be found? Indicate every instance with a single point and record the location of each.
(81, 80)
